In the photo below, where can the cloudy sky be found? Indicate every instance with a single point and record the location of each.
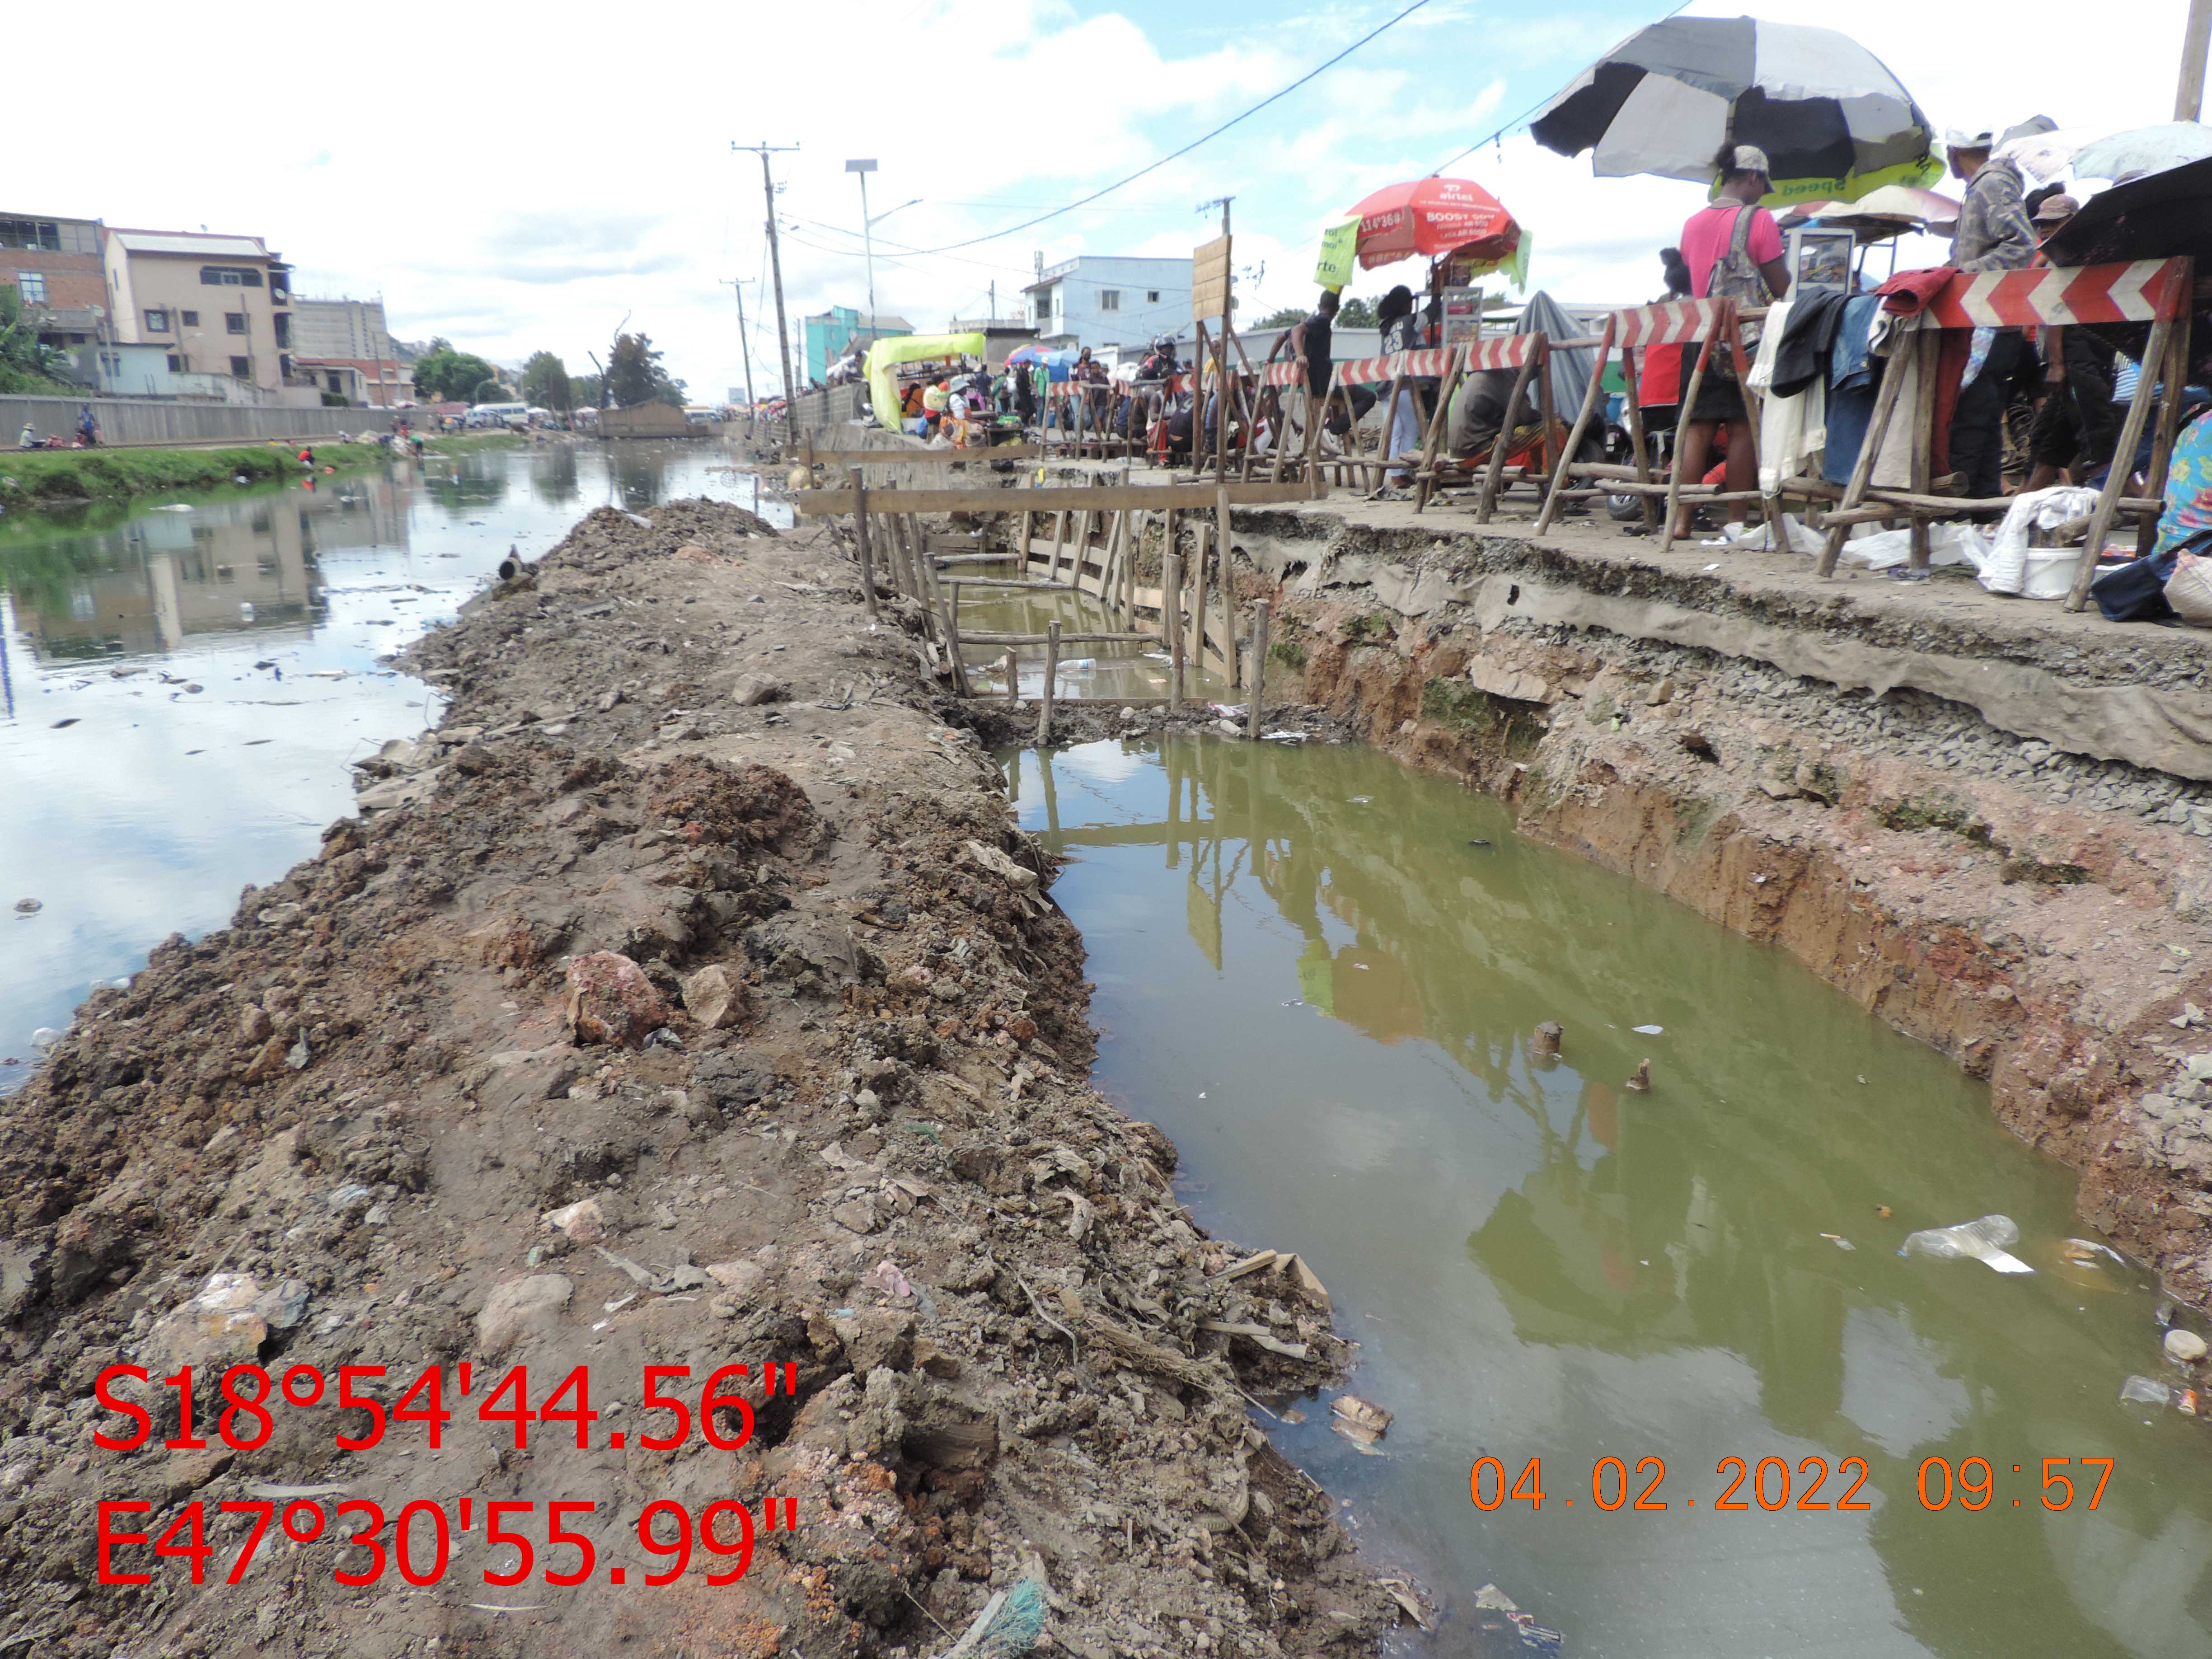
(522, 178)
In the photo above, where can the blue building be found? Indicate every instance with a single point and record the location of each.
(1108, 299)
(832, 334)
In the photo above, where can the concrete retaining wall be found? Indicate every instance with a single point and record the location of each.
(125, 422)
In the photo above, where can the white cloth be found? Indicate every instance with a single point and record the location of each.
(1791, 430)
(2007, 570)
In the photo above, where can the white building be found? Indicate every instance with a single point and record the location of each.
(1108, 300)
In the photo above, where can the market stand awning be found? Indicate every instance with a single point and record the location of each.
(886, 355)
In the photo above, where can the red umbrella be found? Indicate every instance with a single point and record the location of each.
(1434, 217)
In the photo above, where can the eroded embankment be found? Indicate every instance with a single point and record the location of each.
(858, 1143)
(2043, 917)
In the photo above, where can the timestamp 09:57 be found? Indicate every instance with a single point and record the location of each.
(1772, 1484)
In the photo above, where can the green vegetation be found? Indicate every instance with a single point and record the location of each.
(65, 478)
(545, 383)
(635, 375)
(445, 375)
(1289, 652)
(2049, 875)
(1374, 627)
(27, 366)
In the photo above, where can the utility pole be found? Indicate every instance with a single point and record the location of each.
(775, 268)
(745, 343)
(2189, 100)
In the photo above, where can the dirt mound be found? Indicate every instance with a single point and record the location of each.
(352, 1131)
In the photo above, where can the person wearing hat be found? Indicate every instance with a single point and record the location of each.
(2077, 423)
(1993, 233)
(1732, 249)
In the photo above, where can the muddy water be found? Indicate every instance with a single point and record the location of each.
(1313, 976)
(1113, 669)
(180, 690)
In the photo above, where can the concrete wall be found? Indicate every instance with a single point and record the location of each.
(124, 421)
(832, 406)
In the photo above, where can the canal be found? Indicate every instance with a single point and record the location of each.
(184, 679)
(1320, 972)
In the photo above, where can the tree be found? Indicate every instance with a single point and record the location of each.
(445, 375)
(489, 391)
(545, 383)
(1358, 313)
(583, 392)
(635, 375)
(1288, 317)
(26, 366)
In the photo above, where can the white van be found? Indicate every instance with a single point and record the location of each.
(515, 415)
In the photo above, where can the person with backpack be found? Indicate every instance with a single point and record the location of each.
(1733, 249)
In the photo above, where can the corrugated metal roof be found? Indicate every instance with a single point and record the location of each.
(220, 248)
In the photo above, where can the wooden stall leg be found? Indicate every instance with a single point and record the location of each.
(2108, 500)
(1424, 481)
(1013, 679)
(1930, 348)
(1171, 620)
(1560, 473)
(1633, 407)
(1493, 475)
(1885, 406)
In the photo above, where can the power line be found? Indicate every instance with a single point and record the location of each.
(1514, 125)
(1194, 143)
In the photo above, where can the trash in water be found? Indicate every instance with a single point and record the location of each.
(2145, 1391)
(1359, 800)
(2084, 1252)
(29, 906)
(1357, 1420)
(2183, 1347)
(1839, 1241)
(1648, 1030)
(1980, 1240)
(1477, 841)
(176, 507)
(1884, 1211)
(1641, 1082)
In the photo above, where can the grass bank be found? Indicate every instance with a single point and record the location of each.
(59, 477)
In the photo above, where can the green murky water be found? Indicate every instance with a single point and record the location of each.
(1312, 979)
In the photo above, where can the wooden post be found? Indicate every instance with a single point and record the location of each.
(1675, 480)
(2169, 414)
(1885, 406)
(1196, 581)
(1552, 496)
(1492, 474)
(860, 527)
(2116, 478)
(1228, 586)
(1171, 620)
(1021, 541)
(1013, 679)
(1051, 675)
(1259, 670)
(1930, 348)
(1635, 412)
(1059, 538)
(1440, 419)
(951, 591)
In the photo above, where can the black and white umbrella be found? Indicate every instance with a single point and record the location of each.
(1834, 121)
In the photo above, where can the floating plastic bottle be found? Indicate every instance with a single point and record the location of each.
(1980, 1240)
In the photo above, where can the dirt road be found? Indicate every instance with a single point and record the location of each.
(688, 1000)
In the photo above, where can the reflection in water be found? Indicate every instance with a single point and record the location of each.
(1540, 1265)
(179, 691)
(1103, 671)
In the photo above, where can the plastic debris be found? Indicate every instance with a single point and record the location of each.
(1641, 1082)
(1982, 1240)
(2084, 1252)
(886, 1276)
(1360, 1421)
(2145, 1391)
(29, 906)
(1648, 1030)
(1839, 1241)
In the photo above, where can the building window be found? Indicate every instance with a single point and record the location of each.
(1109, 299)
(31, 233)
(34, 284)
(1151, 297)
(228, 277)
(157, 320)
(189, 318)
(241, 369)
(234, 321)
(283, 321)
(176, 364)
(335, 380)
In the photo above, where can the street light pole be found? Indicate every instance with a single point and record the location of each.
(867, 233)
(745, 344)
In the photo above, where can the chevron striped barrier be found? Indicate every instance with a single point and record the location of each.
(2139, 291)
(1669, 322)
(1500, 352)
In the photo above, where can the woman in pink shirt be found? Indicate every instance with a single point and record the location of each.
(1734, 248)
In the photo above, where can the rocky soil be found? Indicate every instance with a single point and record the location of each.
(2043, 917)
(688, 999)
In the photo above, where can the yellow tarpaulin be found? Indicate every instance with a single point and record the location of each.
(884, 356)
(1339, 247)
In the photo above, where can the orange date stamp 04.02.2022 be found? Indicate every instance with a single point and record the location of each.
(1774, 1483)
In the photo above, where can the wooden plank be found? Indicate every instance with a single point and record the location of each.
(847, 457)
(1105, 498)
(1259, 671)
(1067, 638)
(2123, 455)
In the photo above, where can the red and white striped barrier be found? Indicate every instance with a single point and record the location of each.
(2140, 291)
(1670, 322)
(1499, 351)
